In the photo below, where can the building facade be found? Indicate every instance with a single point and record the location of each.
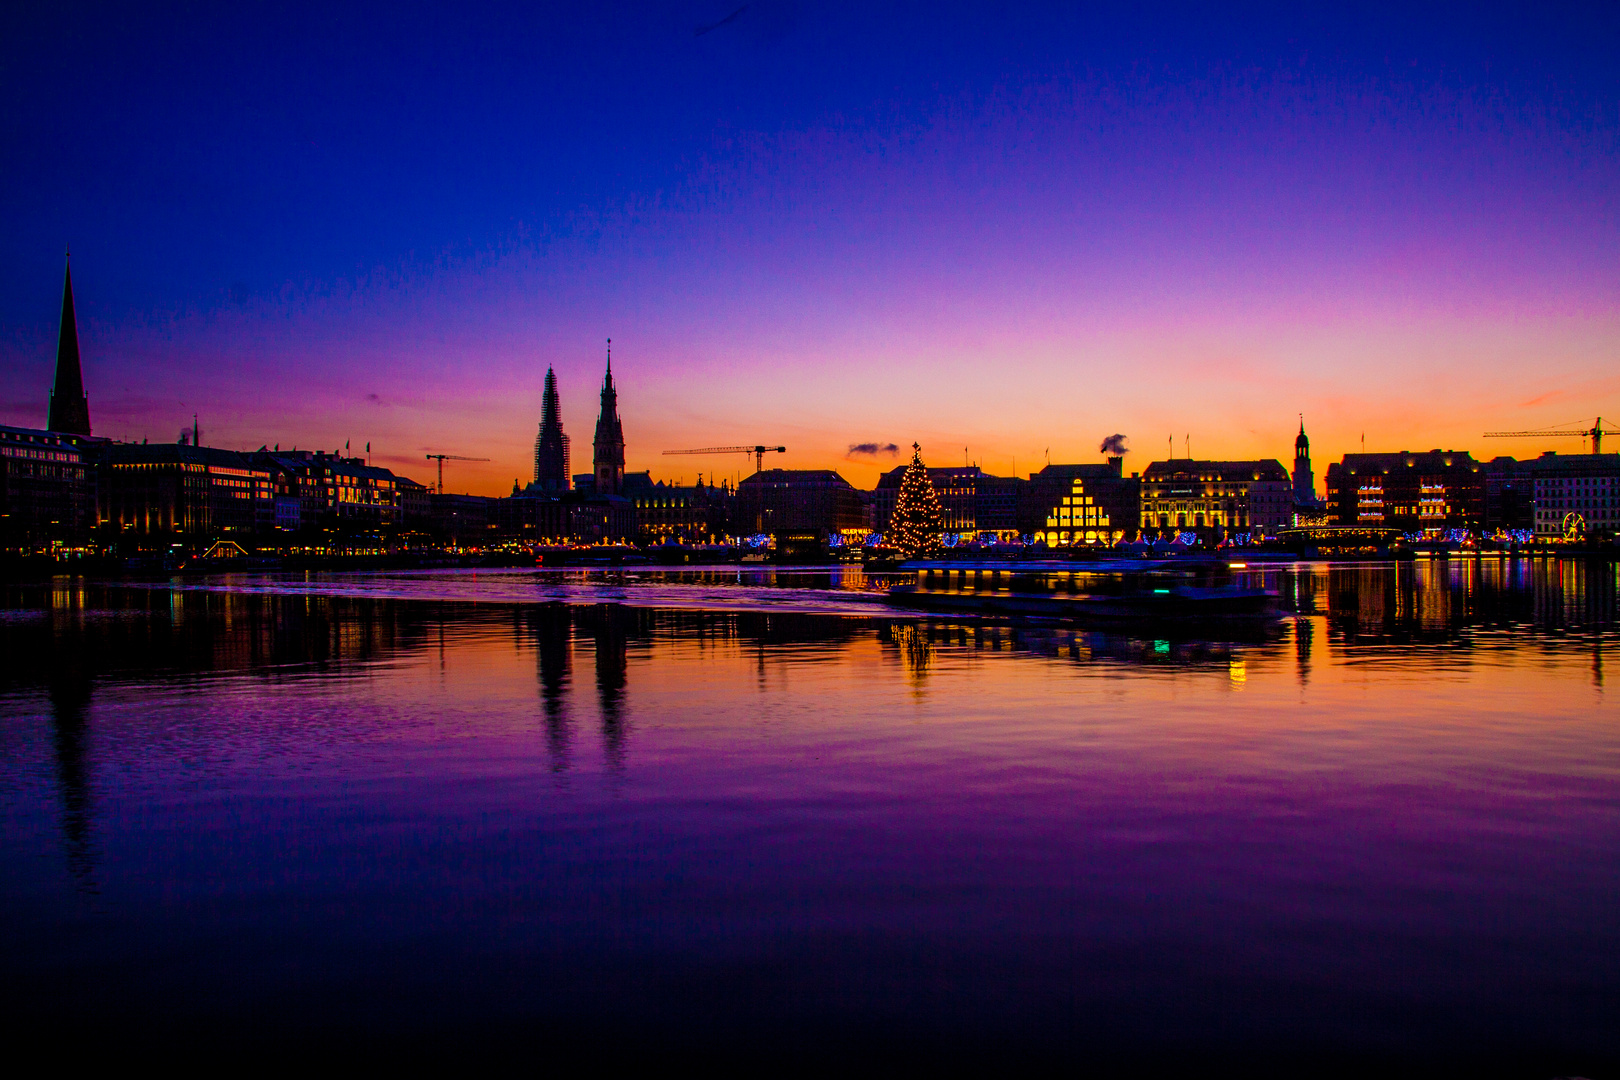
(573, 517)
(1082, 505)
(800, 501)
(47, 491)
(1510, 496)
(1414, 492)
(1576, 496)
(1216, 498)
(330, 489)
(680, 514)
(179, 490)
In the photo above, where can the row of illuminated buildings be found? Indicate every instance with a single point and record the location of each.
(60, 487)
(56, 488)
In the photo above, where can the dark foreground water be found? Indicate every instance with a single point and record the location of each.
(759, 817)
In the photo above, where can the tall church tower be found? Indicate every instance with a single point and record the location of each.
(1304, 480)
(551, 445)
(70, 409)
(608, 457)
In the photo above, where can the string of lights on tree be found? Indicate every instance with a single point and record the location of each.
(915, 526)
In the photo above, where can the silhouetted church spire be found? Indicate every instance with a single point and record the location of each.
(69, 410)
(608, 455)
(551, 445)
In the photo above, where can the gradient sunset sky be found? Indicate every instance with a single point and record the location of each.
(1015, 229)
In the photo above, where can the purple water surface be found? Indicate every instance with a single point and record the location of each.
(1384, 831)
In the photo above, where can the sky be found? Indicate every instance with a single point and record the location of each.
(1000, 234)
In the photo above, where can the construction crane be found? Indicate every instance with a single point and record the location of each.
(759, 452)
(1595, 433)
(442, 458)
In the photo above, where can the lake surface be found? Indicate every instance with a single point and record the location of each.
(758, 815)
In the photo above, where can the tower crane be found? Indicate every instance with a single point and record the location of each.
(759, 452)
(1595, 433)
(442, 458)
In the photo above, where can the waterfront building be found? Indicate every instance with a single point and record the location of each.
(996, 502)
(1082, 505)
(47, 491)
(314, 487)
(1413, 492)
(573, 517)
(1510, 496)
(412, 498)
(1575, 495)
(177, 489)
(551, 445)
(800, 501)
(465, 520)
(1216, 498)
(607, 457)
(69, 410)
(673, 512)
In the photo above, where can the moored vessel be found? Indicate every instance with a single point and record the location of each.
(1103, 591)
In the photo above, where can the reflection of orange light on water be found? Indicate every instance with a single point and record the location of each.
(1237, 673)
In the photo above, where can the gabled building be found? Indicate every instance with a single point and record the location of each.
(1082, 505)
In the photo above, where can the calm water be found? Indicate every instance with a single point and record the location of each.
(646, 812)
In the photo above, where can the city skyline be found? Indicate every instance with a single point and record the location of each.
(551, 454)
(1189, 227)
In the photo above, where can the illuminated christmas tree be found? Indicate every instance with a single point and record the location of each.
(915, 525)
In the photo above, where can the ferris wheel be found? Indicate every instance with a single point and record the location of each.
(1574, 526)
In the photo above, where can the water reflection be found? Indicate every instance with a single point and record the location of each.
(70, 704)
(1304, 635)
(1447, 601)
(610, 627)
(1335, 824)
(553, 640)
(1440, 614)
(911, 642)
(145, 633)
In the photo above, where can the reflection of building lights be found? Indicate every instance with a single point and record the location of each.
(1237, 672)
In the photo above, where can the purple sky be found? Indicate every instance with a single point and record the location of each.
(820, 227)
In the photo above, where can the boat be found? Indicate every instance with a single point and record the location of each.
(1106, 591)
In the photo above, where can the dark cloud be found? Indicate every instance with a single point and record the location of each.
(873, 449)
(1114, 445)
